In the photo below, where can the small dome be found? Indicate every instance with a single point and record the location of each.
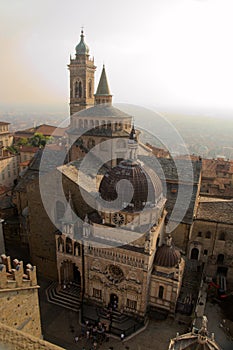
(167, 255)
(82, 48)
(144, 188)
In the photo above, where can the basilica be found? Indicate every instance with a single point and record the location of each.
(112, 238)
(93, 212)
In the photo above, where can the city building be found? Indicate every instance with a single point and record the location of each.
(211, 237)
(8, 168)
(6, 138)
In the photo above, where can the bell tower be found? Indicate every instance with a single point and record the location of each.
(82, 76)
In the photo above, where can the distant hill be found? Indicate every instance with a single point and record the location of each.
(203, 135)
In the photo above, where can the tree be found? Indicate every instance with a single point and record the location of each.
(36, 139)
(23, 141)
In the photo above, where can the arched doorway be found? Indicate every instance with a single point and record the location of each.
(69, 272)
(114, 301)
(194, 254)
(220, 259)
(76, 274)
(66, 271)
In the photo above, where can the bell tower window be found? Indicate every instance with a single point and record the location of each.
(90, 89)
(78, 89)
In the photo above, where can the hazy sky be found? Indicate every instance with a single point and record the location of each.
(165, 53)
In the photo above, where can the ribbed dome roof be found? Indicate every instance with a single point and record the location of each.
(102, 111)
(167, 255)
(82, 48)
(144, 187)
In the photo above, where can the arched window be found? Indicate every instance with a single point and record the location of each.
(90, 88)
(161, 291)
(76, 89)
(60, 211)
(77, 249)
(102, 123)
(80, 90)
(60, 244)
(220, 259)
(221, 236)
(85, 123)
(68, 245)
(208, 234)
(194, 254)
(81, 123)
(199, 234)
(120, 126)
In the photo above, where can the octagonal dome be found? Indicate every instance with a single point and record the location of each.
(167, 255)
(147, 187)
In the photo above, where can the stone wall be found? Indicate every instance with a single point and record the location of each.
(19, 304)
(212, 240)
(42, 233)
(20, 309)
(180, 235)
(18, 340)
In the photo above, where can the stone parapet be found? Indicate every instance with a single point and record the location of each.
(18, 340)
(16, 277)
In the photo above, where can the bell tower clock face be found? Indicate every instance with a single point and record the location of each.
(118, 219)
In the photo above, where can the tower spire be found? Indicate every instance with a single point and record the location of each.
(103, 94)
(82, 48)
(133, 144)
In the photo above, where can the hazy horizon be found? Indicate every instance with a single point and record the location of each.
(174, 55)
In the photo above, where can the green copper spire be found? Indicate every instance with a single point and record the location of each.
(103, 88)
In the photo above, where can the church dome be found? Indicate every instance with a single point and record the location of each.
(167, 255)
(103, 111)
(145, 188)
(82, 48)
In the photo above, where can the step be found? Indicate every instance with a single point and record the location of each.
(67, 294)
(61, 298)
(64, 304)
(53, 295)
(64, 298)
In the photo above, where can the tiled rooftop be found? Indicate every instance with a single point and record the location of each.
(216, 210)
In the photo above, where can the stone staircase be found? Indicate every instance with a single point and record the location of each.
(190, 287)
(70, 297)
